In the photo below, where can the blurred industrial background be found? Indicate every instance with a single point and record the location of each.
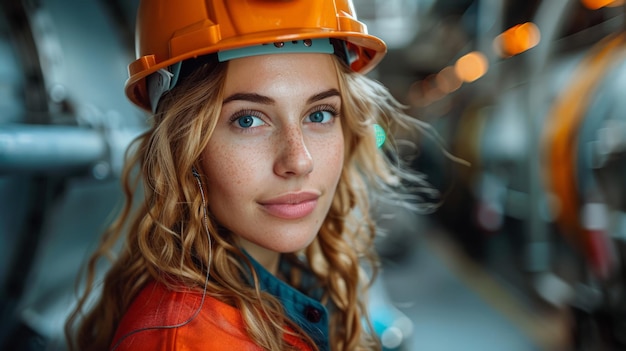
(525, 252)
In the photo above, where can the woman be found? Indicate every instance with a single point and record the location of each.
(257, 175)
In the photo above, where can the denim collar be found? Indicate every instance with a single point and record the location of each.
(306, 311)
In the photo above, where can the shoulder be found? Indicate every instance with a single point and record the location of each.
(164, 319)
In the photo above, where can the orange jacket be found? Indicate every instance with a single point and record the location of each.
(157, 321)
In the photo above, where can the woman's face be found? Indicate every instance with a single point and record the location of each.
(275, 158)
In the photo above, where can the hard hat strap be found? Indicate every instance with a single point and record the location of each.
(160, 82)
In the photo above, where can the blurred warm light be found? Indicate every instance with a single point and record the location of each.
(436, 87)
(517, 39)
(471, 66)
(426, 91)
(430, 90)
(447, 80)
(597, 4)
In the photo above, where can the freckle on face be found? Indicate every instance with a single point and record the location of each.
(241, 167)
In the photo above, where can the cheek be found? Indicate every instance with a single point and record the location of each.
(331, 157)
(230, 170)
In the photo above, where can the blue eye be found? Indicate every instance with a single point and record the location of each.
(248, 121)
(321, 116)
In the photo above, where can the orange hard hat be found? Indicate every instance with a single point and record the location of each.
(171, 31)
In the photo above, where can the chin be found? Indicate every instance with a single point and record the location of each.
(289, 245)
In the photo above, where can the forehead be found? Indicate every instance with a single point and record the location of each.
(281, 73)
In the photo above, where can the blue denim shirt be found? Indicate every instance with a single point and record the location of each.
(306, 311)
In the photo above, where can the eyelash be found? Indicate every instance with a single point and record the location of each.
(244, 113)
(328, 108)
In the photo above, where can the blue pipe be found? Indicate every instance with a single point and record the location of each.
(36, 148)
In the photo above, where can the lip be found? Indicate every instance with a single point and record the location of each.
(292, 205)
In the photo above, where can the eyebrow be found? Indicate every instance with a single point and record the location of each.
(323, 95)
(266, 100)
(252, 97)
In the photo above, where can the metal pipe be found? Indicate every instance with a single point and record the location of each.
(551, 16)
(34, 148)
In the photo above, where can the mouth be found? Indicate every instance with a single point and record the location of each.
(291, 206)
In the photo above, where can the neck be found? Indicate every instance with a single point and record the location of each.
(267, 258)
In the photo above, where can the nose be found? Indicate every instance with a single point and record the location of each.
(293, 157)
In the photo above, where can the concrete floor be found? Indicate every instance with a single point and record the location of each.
(455, 304)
